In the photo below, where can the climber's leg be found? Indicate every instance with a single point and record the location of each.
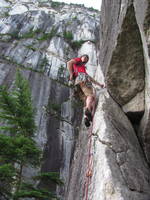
(90, 107)
(89, 103)
(87, 96)
(88, 110)
(93, 106)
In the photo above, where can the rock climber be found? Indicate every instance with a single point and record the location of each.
(79, 77)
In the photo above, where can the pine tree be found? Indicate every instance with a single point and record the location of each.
(17, 146)
(16, 108)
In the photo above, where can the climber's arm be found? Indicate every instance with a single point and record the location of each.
(96, 83)
(70, 67)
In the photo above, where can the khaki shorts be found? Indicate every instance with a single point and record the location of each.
(88, 91)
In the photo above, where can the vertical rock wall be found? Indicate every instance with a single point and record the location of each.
(119, 144)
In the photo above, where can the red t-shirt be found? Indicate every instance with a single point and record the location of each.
(78, 66)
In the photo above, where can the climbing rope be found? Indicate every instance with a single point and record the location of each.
(89, 164)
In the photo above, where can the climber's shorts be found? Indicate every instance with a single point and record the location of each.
(87, 90)
(84, 85)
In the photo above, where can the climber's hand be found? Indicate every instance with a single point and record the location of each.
(102, 85)
(71, 83)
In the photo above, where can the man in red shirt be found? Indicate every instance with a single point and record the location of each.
(79, 76)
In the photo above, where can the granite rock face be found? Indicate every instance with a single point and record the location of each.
(144, 24)
(43, 35)
(118, 165)
(125, 60)
(126, 68)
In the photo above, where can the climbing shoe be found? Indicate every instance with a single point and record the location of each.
(89, 115)
(86, 122)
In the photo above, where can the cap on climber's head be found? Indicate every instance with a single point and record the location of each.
(84, 58)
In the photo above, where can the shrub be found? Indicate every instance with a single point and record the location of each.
(68, 35)
(55, 4)
(77, 44)
(49, 36)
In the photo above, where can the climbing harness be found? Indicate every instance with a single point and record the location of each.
(82, 77)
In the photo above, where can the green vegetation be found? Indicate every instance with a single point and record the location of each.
(19, 65)
(77, 44)
(74, 18)
(44, 63)
(30, 34)
(5, 14)
(55, 4)
(68, 23)
(33, 34)
(31, 47)
(10, 60)
(16, 109)
(78, 5)
(18, 148)
(48, 177)
(93, 9)
(49, 36)
(44, 36)
(61, 72)
(66, 52)
(54, 107)
(68, 35)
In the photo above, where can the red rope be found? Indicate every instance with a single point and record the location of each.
(89, 165)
